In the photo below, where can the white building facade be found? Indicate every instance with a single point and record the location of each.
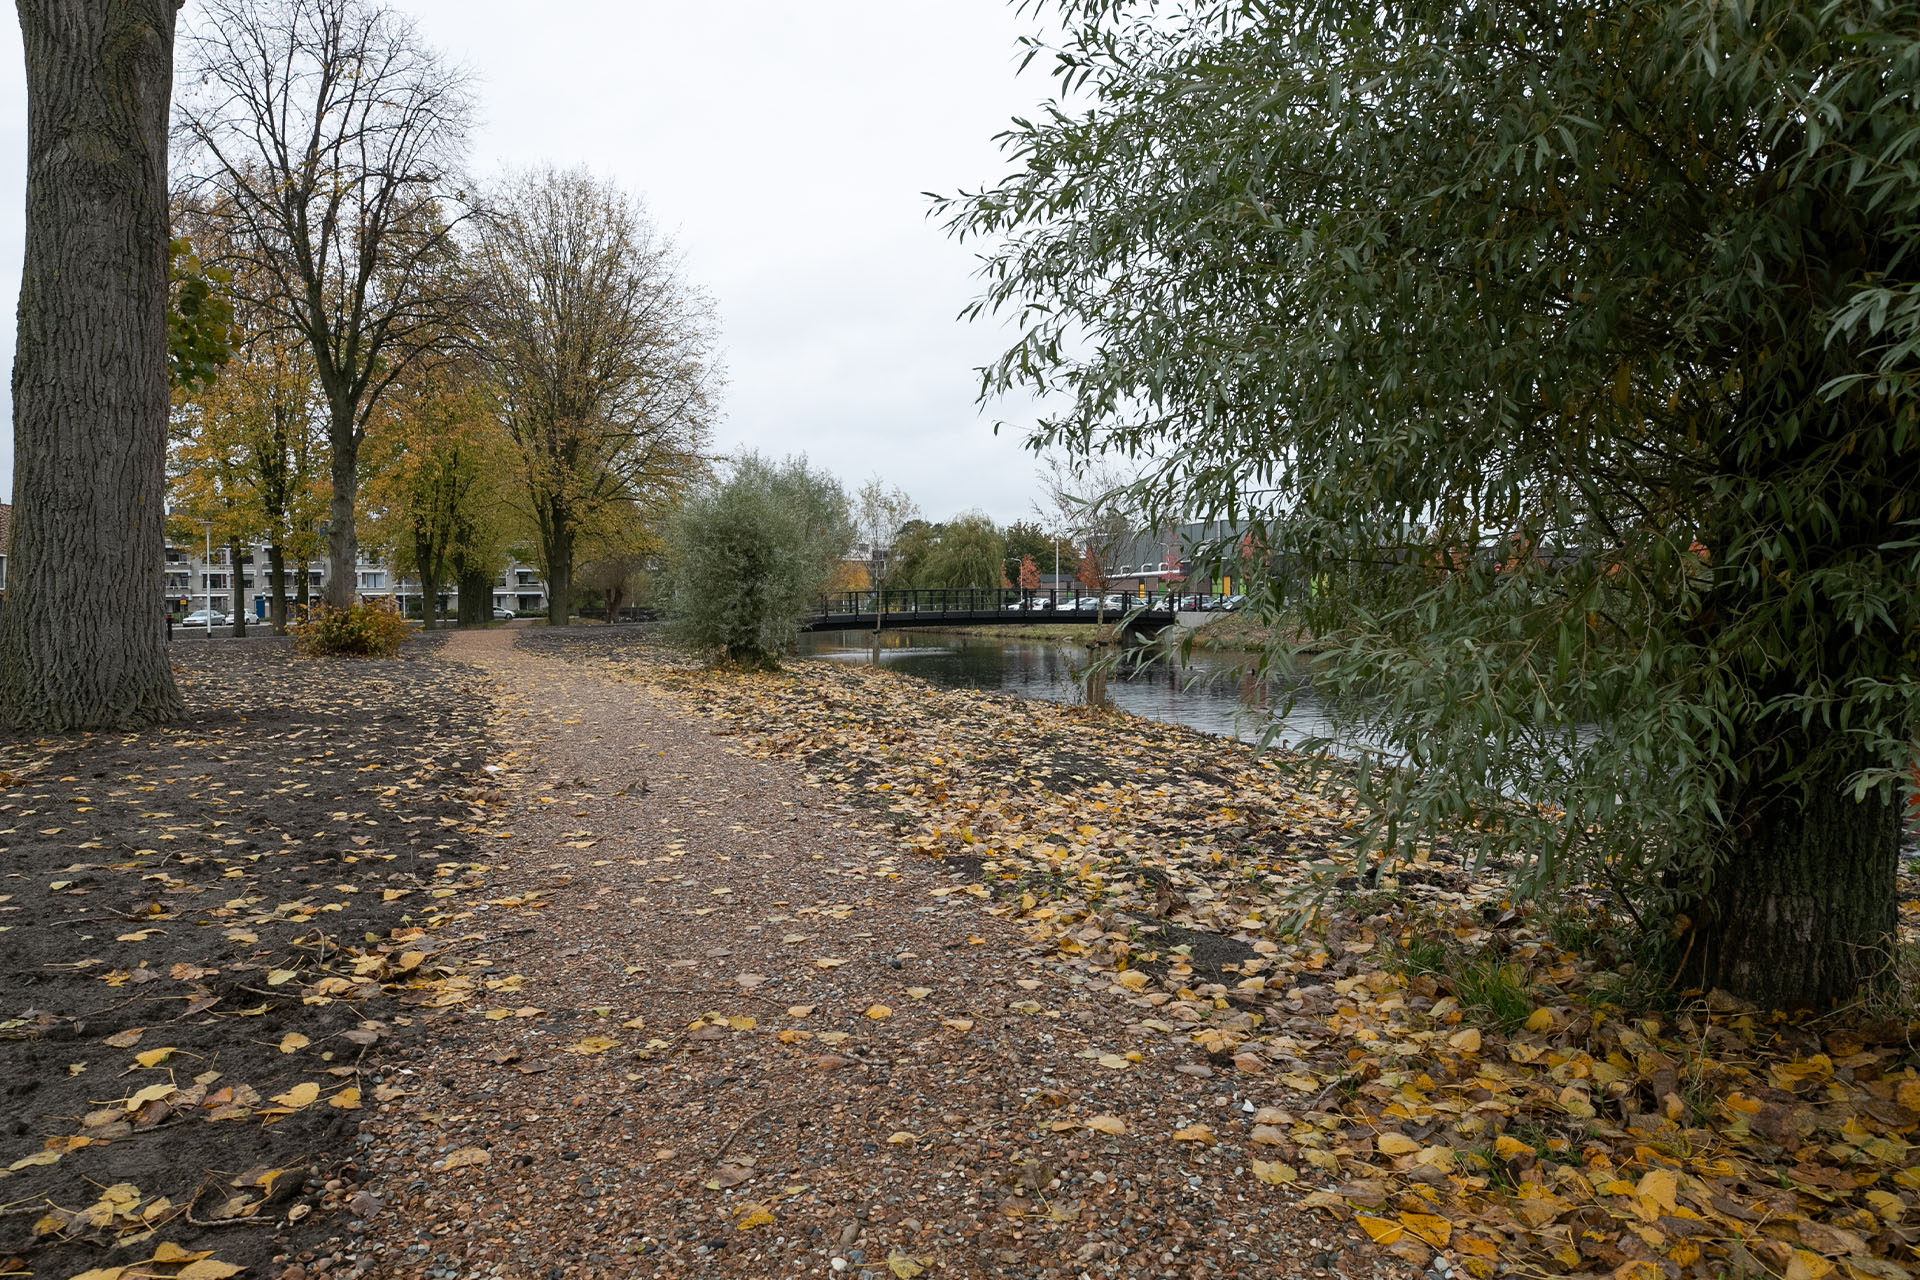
(195, 582)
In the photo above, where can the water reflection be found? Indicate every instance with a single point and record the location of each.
(1210, 694)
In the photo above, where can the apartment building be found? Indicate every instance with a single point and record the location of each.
(192, 581)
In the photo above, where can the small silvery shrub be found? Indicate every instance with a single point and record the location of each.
(749, 552)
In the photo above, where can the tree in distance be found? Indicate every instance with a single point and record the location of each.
(880, 512)
(967, 552)
(322, 141)
(1567, 363)
(619, 550)
(602, 353)
(747, 555)
(438, 485)
(82, 629)
(247, 454)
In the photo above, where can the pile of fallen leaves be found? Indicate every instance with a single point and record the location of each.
(1491, 1103)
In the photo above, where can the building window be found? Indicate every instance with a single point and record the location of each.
(525, 577)
(213, 582)
(372, 581)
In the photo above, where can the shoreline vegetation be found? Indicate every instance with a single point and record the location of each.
(1508, 1084)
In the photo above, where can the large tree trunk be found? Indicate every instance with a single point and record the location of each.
(239, 585)
(300, 589)
(476, 597)
(277, 575)
(83, 629)
(559, 553)
(429, 602)
(343, 543)
(1801, 911)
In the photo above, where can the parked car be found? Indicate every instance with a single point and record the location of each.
(206, 618)
(503, 615)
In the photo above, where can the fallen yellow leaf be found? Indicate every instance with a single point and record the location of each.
(1434, 1230)
(905, 1266)
(1658, 1187)
(593, 1044)
(1274, 1173)
(299, 1096)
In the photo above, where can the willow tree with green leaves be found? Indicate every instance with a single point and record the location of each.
(1564, 358)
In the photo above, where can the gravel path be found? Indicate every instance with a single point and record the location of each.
(724, 1033)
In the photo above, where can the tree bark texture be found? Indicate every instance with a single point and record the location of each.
(343, 543)
(239, 585)
(476, 596)
(277, 575)
(429, 602)
(1802, 911)
(83, 629)
(555, 528)
(559, 582)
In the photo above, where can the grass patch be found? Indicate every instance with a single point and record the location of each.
(1489, 989)
(1496, 991)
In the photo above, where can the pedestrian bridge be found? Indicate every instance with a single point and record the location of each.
(887, 610)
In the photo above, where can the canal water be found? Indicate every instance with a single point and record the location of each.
(1212, 693)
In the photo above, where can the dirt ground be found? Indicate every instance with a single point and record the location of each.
(170, 902)
(482, 963)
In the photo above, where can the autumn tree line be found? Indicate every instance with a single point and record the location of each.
(439, 369)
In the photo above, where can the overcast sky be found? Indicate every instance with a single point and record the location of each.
(785, 147)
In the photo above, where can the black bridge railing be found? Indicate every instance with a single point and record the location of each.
(973, 603)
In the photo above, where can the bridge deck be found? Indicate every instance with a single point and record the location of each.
(956, 607)
(894, 619)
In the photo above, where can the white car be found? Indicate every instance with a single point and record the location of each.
(206, 617)
(503, 615)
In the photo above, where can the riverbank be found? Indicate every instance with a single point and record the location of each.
(1435, 1064)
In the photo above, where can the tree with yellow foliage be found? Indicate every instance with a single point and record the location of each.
(246, 455)
(436, 495)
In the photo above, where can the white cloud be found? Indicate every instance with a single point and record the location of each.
(786, 148)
